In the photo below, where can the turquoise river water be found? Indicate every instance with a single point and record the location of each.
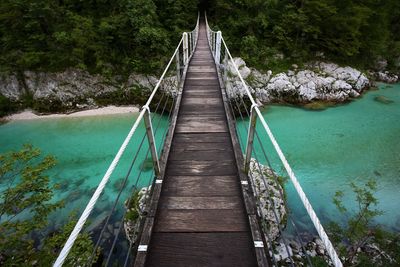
(326, 149)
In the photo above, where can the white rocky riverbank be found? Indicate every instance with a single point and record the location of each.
(67, 86)
(319, 82)
(74, 90)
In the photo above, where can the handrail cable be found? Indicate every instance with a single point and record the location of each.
(317, 224)
(89, 207)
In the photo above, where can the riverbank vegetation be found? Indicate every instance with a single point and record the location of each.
(360, 241)
(26, 202)
(107, 37)
(118, 37)
(275, 34)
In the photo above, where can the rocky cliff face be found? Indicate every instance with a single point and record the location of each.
(319, 82)
(75, 89)
(70, 89)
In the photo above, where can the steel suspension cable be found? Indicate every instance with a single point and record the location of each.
(266, 187)
(150, 180)
(317, 224)
(122, 188)
(280, 189)
(130, 243)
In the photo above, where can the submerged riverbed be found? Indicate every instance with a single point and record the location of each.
(326, 149)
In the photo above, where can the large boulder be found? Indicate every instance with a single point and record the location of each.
(321, 82)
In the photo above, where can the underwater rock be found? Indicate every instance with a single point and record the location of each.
(117, 185)
(383, 99)
(318, 105)
(98, 222)
(64, 185)
(74, 195)
(147, 165)
(79, 182)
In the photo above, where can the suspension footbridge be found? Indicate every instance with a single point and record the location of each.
(199, 207)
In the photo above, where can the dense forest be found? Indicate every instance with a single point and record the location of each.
(100, 36)
(122, 36)
(268, 34)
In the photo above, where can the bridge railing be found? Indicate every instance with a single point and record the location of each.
(138, 177)
(247, 115)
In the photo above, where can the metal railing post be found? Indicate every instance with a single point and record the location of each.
(213, 43)
(226, 63)
(185, 48)
(178, 68)
(190, 44)
(250, 137)
(218, 48)
(152, 143)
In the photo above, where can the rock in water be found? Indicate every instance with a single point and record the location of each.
(135, 213)
(325, 82)
(147, 164)
(270, 198)
(383, 99)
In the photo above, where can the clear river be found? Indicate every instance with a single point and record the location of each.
(327, 150)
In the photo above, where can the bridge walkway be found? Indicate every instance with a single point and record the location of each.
(201, 218)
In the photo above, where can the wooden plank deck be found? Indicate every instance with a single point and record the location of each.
(201, 219)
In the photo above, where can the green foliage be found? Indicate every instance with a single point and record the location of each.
(6, 106)
(351, 32)
(25, 204)
(107, 37)
(360, 230)
(133, 212)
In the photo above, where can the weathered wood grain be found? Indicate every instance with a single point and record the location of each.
(201, 218)
(201, 221)
(199, 138)
(198, 186)
(195, 126)
(197, 167)
(202, 249)
(201, 203)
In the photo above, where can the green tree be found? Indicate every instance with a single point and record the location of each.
(352, 238)
(349, 32)
(25, 205)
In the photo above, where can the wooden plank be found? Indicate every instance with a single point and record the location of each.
(201, 93)
(201, 70)
(183, 154)
(202, 101)
(201, 203)
(201, 117)
(201, 75)
(201, 186)
(200, 64)
(209, 62)
(201, 167)
(202, 146)
(201, 83)
(202, 107)
(200, 137)
(201, 221)
(200, 216)
(194, 111)
(202, 249)
(203, 88)
(198, 126)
